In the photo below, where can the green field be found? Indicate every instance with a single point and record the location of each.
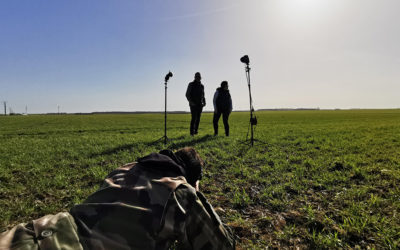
(319, 179)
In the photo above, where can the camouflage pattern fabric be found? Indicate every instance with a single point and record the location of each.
(137, 207)
(49, 232)
(141, 208)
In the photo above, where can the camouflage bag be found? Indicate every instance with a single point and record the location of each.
(49, 232)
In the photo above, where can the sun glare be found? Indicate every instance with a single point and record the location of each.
(305, 6)
(304, 12)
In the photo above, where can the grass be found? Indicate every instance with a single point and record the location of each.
(320, 179)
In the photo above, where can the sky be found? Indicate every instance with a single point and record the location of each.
(103, 55)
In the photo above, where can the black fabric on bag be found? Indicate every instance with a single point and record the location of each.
(163, 161)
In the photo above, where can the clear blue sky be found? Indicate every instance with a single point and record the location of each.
(113, 55)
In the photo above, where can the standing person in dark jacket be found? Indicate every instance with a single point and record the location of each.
(222, 105)
(195, 96)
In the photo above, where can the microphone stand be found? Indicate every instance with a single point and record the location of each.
(165, 114)
(253, 120)
(165, 137)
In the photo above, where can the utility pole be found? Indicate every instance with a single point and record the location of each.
(58, 107)
(5, 108)
(26, 109)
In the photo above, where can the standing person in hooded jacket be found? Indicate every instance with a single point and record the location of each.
(222, 105)
(195, 96)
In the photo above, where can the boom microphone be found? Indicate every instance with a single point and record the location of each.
(245, 59)
(168, 76)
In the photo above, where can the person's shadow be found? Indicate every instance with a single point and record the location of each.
(115, 150)
(172, 146)
(192, 142)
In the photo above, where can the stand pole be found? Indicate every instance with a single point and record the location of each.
(251, 106)
(165, 138)
(165, 115)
